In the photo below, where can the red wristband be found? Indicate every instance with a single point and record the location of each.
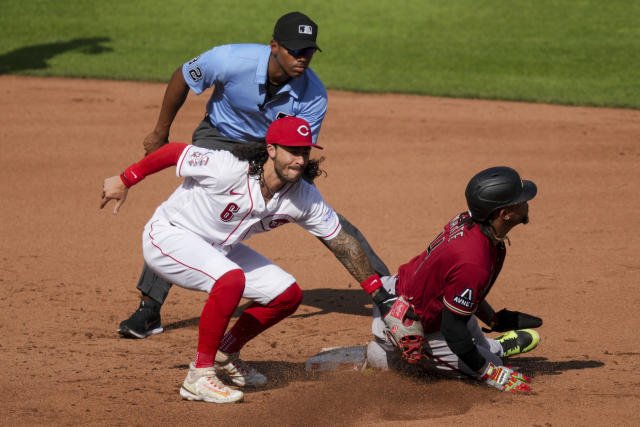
(371, 284)
(131, 176)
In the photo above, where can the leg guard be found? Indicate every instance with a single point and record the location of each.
(153, 286)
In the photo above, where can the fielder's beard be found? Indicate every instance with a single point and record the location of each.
(284, 178)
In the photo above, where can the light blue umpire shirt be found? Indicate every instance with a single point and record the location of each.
(237, 107)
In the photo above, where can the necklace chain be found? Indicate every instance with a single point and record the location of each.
(264, 181)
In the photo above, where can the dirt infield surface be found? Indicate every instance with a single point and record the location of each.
(397, 168)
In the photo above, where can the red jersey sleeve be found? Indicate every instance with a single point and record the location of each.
(466, 288)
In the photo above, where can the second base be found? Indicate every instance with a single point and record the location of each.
(338, 358)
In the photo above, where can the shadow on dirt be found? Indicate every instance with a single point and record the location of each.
(534, 366)
(281, 374)
(35, 57)
(344, 301)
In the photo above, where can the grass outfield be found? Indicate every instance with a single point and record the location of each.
(575, 52)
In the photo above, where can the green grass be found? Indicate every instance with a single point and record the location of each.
(580, 52)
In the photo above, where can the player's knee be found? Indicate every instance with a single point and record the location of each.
(288, 301)
(232, 283)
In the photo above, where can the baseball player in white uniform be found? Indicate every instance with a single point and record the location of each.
(194, 240)
(253, 86)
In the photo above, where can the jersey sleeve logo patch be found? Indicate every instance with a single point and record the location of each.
(465, 299)
(195, 74)
(198, 159)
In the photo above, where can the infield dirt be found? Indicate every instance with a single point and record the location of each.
(397, 168)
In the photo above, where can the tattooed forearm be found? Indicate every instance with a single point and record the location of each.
(349, 252)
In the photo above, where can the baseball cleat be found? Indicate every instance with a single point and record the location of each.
(143, 322)
(518, 342)
(240, 373)
(203, 384)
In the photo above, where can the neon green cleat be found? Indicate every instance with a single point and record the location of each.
(518, 342)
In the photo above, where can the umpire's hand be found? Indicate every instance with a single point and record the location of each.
(153, 141)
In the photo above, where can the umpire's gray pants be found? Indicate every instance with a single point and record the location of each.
(207, 136)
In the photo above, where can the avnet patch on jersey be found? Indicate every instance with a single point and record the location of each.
(465, 299)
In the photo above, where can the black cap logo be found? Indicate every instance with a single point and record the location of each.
(305, 29)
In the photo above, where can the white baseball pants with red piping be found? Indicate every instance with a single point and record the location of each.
(184, 258)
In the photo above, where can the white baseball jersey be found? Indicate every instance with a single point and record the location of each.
(220, 202)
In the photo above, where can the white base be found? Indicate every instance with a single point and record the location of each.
(338, 358)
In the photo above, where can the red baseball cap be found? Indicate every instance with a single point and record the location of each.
(291, 132)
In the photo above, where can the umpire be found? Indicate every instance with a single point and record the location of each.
(253, 86)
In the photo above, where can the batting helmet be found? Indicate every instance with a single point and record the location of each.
(496, 188)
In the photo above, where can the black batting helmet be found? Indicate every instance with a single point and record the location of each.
(496, 188)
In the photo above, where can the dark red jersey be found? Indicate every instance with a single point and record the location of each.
(456, 271)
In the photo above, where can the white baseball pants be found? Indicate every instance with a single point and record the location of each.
(184, 258)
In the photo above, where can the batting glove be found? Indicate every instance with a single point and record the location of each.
(505, 379)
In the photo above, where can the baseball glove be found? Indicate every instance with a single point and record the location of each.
(402, 324)
(405, 333)
(506, 320)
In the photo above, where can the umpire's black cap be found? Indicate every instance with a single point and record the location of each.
(296, 30)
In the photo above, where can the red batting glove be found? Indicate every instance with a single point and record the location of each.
(505, 379)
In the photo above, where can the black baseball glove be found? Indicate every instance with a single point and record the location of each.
(506, 320)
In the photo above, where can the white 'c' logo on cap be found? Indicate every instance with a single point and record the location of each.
(303, 130)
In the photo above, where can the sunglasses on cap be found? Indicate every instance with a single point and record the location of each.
(306, 52)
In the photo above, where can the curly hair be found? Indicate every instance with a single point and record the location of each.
(256, 154)
(485, 227)
(253, 152)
